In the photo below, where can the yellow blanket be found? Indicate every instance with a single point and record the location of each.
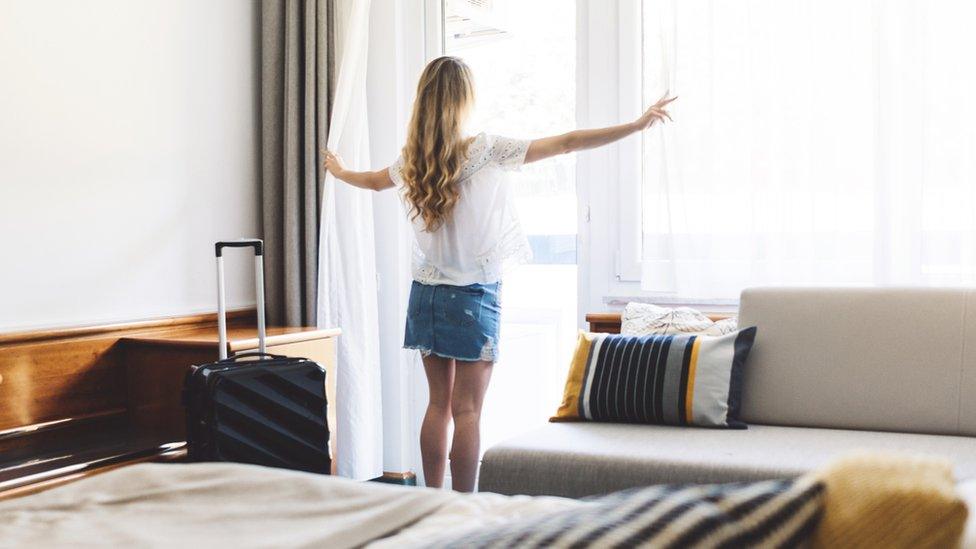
(887, 501)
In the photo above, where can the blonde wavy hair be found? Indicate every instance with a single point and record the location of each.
(436, 148)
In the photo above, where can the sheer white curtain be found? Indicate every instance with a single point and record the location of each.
(347, 269)
(828, 142)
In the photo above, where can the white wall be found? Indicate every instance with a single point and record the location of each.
(128, 145)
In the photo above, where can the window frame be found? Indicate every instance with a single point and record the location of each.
(608, 180)
(630, 92)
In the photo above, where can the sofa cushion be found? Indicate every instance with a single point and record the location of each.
(582, 459)
(886, 359)
(662, 379)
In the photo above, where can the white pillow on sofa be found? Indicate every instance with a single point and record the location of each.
(724, 326)
(648, 319)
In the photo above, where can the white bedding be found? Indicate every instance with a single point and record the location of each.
(233, 505)
(214, 505)
(470, 512)
(242, 506)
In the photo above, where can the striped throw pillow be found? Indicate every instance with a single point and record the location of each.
(778, 513)
(659, 379)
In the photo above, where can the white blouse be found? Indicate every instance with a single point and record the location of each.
(483, 234)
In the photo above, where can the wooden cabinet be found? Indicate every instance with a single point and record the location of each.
(156, 365)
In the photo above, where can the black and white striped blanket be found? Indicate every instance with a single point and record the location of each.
(779, 513)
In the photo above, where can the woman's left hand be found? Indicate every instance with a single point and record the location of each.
(333, 163)
(656, 113)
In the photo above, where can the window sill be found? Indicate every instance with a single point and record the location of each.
(704, 305)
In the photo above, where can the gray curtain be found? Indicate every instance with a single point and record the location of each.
(297, 66)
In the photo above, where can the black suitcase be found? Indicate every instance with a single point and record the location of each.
(256, 407)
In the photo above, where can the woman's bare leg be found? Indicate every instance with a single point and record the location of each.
(433, 432)
(470, 384)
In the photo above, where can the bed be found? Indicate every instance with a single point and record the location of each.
(235, 505)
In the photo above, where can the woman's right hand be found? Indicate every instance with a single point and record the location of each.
(656, 113)
(333, 163)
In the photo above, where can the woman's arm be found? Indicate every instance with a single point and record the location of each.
(374, 181)
(578, 140)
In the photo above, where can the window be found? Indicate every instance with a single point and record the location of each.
(809, 148)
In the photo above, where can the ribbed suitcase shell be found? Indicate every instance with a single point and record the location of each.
(270, 411)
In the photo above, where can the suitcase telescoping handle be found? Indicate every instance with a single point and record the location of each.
(258, 246)
(249, 354)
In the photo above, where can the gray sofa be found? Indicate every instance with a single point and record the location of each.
(832, 371)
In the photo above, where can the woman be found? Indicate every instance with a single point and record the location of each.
(456, 196)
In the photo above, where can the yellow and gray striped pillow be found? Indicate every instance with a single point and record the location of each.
(659, 379)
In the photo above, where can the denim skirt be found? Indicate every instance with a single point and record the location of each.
(459, 322)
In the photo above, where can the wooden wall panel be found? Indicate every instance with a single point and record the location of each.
(44, 381)
(56, 374)
(78, 401)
